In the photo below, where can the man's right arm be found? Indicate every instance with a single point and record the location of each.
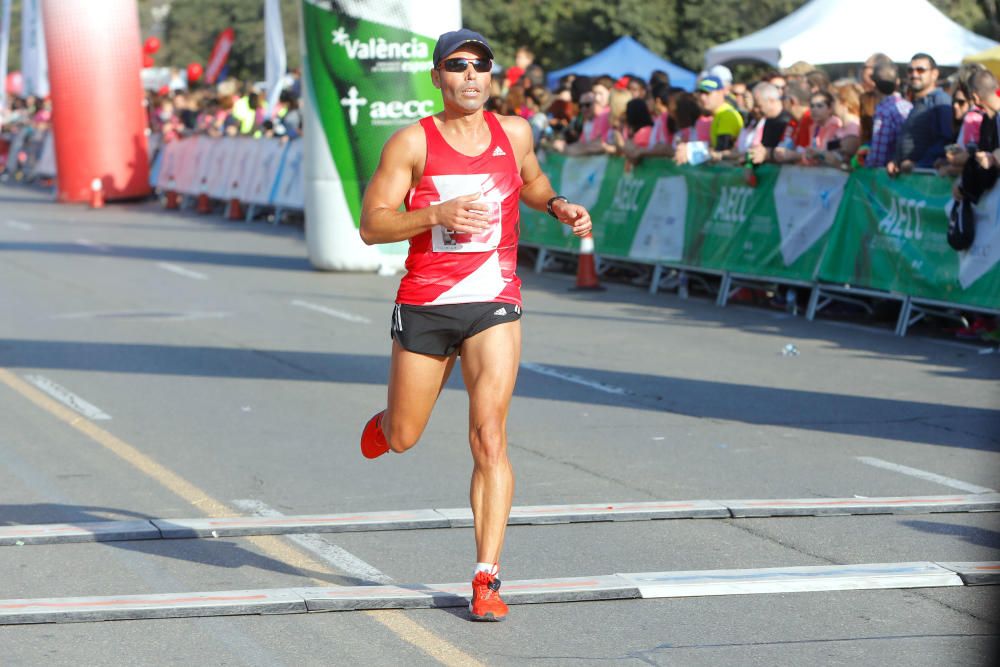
(381, 219)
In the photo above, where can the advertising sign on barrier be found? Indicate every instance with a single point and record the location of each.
(890, 234)
(287, 192)
(796, 223)
(706, 216)
(241, 152)
(197, 161)
(217, 167)
(984, 255)
(776, 229)
(661, 231)
(265, 172)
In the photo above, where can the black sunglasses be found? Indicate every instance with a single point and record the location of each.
(457, 65)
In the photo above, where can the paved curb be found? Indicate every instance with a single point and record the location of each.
(978, 573)
(793, 579)
(90, 531)
(319, 523)
(108, 531)
(645, 585)
(978, 502)
(591, 512)
(127, 607)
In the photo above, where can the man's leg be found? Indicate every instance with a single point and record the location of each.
(415, 381)
(490, 360)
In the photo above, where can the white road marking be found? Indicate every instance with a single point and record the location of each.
(23, 226)
(67, 398)
(181, 271)
(923, 474)
(340, 558)
(575, 379)
(144, 315)
(87, 243)
(350, 317)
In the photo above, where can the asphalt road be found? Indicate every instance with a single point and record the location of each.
(222, 373)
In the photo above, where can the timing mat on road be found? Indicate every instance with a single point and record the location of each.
(644, 585)
(155, 529)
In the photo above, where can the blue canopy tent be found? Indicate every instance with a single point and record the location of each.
(626, 56)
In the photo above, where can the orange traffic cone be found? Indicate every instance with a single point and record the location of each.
(96, 193)
(172, 202)
(586, 270)
(235, 210)
(204, 206)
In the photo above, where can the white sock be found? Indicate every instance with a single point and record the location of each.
(491, 568)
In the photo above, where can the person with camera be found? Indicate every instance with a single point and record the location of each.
(982, 164)
(727, 123)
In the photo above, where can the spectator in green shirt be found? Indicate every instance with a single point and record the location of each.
(725, 128)
(726, 120)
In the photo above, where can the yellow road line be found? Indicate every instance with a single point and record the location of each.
(406, 628)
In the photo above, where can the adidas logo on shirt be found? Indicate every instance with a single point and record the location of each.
(500, 312)
(498, 152)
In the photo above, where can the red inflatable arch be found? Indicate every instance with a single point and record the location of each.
(95, 56)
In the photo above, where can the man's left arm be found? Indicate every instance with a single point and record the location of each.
(537, 191)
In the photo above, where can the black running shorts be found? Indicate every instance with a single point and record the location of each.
(441, 330)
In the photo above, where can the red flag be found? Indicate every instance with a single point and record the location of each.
(220, 53)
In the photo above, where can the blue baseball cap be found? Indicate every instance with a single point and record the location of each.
(450, 42)
(710, 84)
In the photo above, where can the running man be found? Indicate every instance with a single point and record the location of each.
(460, 173)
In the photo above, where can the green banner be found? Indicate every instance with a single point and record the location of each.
(890, 234)
(366, 75)
(710, 217)
(369, 79)
(788, 223)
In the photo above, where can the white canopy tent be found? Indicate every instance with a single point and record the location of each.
(848, 31)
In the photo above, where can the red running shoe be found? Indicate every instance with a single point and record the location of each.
(486, 604)
(373, 442)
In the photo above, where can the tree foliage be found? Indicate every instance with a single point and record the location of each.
(192, 26)
(565, 32)
(560, 33)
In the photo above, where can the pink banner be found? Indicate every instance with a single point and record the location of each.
(98, 118)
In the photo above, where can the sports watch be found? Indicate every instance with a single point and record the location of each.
(548, 206)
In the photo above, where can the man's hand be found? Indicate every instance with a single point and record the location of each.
(573, 215)
(758, 154)
(892, 169)
(463, 214)
(681, 155)
(957, 156)
(986, 159)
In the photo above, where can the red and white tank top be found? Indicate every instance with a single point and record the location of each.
(445, 267)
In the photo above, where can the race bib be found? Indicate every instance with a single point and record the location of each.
(446, 240)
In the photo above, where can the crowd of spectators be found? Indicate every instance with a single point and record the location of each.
(882, 117)
(885, 116)
(230, 108)
(899, 119)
